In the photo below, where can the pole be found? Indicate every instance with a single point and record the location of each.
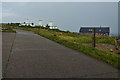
(93, 37)
(117, 44)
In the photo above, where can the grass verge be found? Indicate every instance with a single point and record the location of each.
(8, 31)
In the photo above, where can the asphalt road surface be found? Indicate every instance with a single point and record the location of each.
(29, 55)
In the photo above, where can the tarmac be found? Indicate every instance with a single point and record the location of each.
(29, 55)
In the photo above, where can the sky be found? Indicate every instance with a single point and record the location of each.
(60, 0)
(119, 19)
(66, 15)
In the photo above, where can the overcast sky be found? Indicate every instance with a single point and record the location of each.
(60, 0)
(66, 15)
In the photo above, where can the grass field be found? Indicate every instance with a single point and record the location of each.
(8, 30)
(75, 42)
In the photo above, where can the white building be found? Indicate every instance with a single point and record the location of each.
(40, 23)
(51, 25)
(26, 23)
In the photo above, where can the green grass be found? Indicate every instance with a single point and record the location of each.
(75, 41)
(7, 28)
(8, 31)
(118, 37)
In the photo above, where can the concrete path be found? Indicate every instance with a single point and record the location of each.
(34, 56)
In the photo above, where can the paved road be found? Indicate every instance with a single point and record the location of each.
(34, 56)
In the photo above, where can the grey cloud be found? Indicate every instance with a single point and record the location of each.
(67, 16)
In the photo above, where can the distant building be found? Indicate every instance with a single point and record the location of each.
(104, 31)
(51, 25)
(40, 23)
(26, 23)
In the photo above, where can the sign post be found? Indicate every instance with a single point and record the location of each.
(117, 46)
(93, 37)
(116, 43)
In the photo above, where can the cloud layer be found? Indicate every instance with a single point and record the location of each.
(60, 0)
(67, 16)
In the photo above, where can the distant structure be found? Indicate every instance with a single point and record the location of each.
(40, 22)
(103, 31)
(51, 25)
(26, 23)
